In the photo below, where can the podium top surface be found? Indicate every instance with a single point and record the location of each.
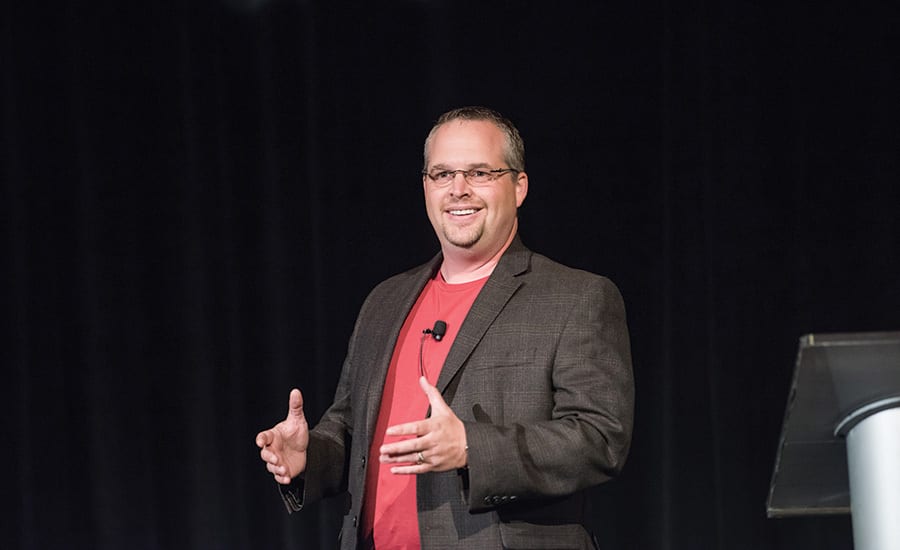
(838, 380)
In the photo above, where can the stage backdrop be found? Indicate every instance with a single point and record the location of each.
(197, 196)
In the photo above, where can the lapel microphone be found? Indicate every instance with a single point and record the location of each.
(439, 330)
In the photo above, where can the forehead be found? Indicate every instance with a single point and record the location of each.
(467, 142)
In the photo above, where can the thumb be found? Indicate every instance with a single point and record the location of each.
(435, 399)
(295, 405)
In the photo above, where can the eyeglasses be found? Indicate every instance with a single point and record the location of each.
(475, 176)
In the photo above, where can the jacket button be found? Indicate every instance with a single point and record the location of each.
(363, 460)
(487, 500)
(354, 521)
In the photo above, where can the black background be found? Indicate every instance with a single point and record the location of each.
(198, 195)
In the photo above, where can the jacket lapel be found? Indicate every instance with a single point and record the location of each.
(394, 313)
(497, 291)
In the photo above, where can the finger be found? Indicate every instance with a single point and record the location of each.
(280, 475)
(408, 457)
(411, 470)
(396, 458)
(419, 427)
(264, 438)
(295, 404)
(435, 399)
(268, 456)
(284, 480)
(276, 470)
(417, 458)
(405, 447)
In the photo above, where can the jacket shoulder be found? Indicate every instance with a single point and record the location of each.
(555, 275)
(397, 288)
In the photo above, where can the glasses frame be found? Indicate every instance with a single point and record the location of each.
(468, 175)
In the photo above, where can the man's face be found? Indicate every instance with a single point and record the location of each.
(476, 221)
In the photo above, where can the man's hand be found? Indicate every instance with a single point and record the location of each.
(440, 442)
(283, 447)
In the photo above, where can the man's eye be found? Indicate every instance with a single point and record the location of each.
(479, 174)
(442, 175)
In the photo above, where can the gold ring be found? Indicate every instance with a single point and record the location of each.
(420, 458)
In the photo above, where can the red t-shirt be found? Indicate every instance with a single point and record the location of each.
(390, 505)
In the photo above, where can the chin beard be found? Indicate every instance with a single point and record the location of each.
(464, 239)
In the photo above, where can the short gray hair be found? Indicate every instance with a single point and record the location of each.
(514, 152)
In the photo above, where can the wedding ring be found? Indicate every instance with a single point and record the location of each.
(420, 458)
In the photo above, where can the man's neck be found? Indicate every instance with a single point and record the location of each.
(458, 267)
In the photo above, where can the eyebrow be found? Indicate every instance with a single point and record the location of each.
(470, 166)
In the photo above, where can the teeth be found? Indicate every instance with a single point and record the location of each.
(462, 212)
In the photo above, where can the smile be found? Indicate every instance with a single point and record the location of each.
(465, 212)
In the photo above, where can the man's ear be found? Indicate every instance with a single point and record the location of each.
(521, 188)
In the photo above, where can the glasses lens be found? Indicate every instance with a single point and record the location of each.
(479, 176)
(441, 177)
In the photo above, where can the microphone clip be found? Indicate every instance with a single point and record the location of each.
(438, 332)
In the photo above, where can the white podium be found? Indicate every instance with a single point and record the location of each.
(839, 450)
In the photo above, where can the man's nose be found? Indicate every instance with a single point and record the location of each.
(459, 185)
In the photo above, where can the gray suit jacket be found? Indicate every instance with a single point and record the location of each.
(540, 374)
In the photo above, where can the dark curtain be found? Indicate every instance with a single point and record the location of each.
(197, 196)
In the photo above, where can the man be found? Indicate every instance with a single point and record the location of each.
(482, 392)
